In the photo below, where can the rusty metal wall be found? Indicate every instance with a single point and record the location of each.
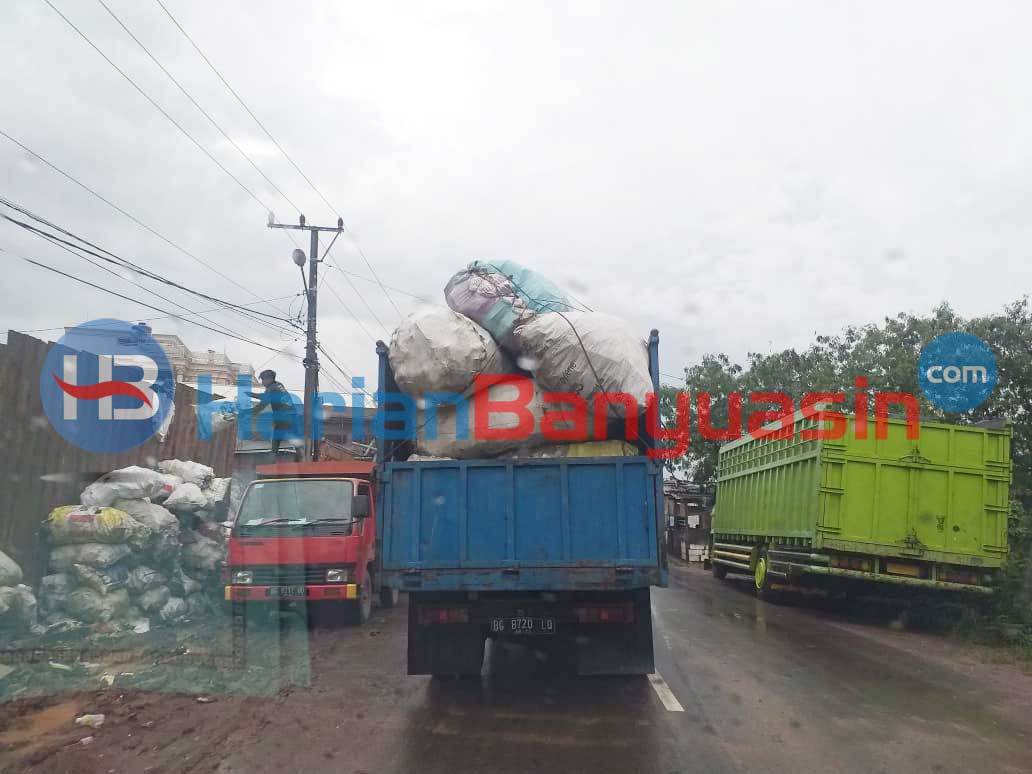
(39, 470)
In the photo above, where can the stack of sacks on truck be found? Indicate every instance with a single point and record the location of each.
(507, 319)
(123, 557)
(17, 602)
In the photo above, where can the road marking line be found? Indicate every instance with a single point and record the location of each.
(664, 693)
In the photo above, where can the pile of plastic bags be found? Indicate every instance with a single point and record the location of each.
(143, 548)
(17, 602)
(507, 319)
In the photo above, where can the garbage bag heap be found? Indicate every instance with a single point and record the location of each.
(143, 548)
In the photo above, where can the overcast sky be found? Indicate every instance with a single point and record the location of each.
(738, 175)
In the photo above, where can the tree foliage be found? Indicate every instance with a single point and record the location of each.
(887, 355)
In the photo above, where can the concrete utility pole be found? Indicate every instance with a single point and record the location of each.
(311, 362)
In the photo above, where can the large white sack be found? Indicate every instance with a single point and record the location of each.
(201, 553)
(71, 524)
(88, 605)
(188, 498)
(168, 486)
(152, 600)
(190, 472)
(53, 588)
(18, 608)
(130, 483)
(141, 579)
(10, 572)
(103, 580)
(174, 609)
(446, 442)
(217, 492)
(585, 353)
(151, 515)
(438, 350)
(91, 554)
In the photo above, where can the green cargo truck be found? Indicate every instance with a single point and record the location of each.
(929, 512)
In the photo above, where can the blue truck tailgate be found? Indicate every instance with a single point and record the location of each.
(531, 524)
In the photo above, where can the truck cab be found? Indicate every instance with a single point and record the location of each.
(305, 535)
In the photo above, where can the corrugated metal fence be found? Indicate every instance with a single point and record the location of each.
(39, 470)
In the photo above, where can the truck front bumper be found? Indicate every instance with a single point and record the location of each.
(335, 592)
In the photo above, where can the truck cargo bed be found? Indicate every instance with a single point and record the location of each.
(535, 524)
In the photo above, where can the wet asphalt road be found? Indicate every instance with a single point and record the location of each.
(751, 687)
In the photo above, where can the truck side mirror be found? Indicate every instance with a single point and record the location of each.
(360, 507)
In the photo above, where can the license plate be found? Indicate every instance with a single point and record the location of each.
(287, 591)
(523, 625)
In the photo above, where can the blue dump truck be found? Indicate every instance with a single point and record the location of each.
(557, 553)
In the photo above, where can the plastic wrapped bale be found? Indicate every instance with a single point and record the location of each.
(201, 554)
(217, 494)
(183, 585)
(168, 486)
(447, 431)
(73, 524)
(18, 610)
(191, 472)
(173, 610)
(88, 605)
(501, 295)
(198, 605)
(152, 600)
(164, 526)
(438, 350)
(131, 483)
(188, 498)
(10, 572)
(91, 554)
(141, 579)
(54, 588)
(103, 580)
(585, 353)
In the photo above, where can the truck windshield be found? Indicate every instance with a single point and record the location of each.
(301, 501)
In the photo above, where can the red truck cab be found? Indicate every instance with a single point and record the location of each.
(306, 533)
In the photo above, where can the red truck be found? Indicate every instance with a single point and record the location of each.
(305, 535)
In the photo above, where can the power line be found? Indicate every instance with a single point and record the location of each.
(158, 107)
(282, 150)
(118, 260)
(129, 215)
(141, 303)
(356, 275)
(328, 286)
(347, 376)
(160, 317)
(197, 105)
(154, 293)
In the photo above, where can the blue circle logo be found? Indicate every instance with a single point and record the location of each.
(957, 371)
(107, 386)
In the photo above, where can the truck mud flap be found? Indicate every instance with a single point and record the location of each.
(618, 650)
(447, 649)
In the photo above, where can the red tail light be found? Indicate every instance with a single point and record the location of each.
(440, 614)
(620, 613)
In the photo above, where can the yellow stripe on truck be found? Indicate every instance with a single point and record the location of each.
(229, 593)
(351, 591)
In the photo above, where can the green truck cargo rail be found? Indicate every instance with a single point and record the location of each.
(929, 512)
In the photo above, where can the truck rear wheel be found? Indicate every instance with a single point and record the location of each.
(719, 571)
(388, 597)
